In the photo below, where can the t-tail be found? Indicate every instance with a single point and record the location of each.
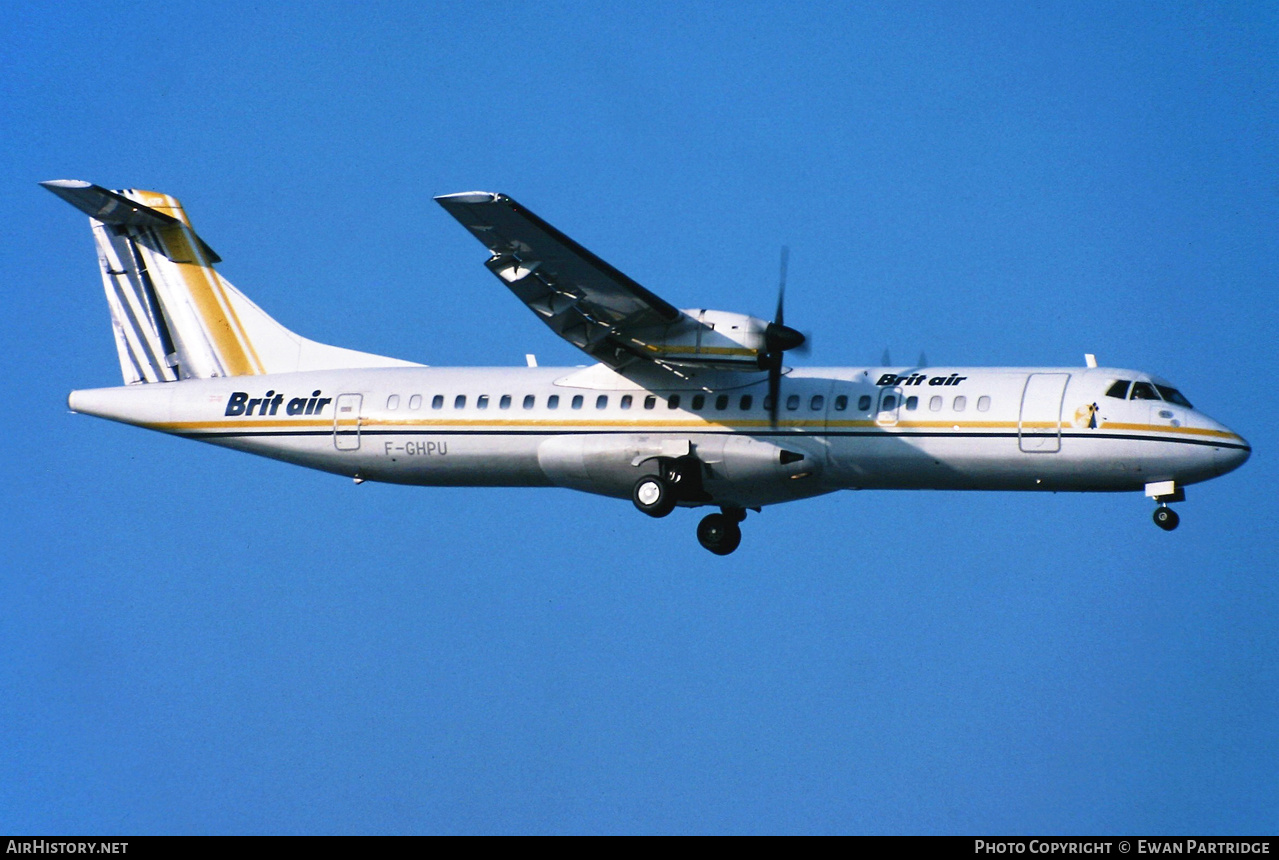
(174, 317)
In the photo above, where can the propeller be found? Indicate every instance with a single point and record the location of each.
(778, 338)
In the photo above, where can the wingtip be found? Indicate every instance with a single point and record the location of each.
(468, 197)
(56, 185)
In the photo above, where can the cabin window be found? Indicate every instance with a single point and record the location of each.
(505, 402)
(983, 404)
(673, 402)
(961, 403)
(745, 403)
(415, 402)
(1142, 391)
(482, 402)
(1119, 389)
(817, 402)
(577, 401)
(912, 403)
(768, 403)
(792, 402)
(889, 403)
(553, 402)
(863, 403)
(393, 402)
(529, 401)
(1172, 395)
(934, 403)
(437, 402)
(459, 402)
(650, 401)
(841, 403)
(626, 401)
(601, 402)
(721, 402)
(699, 400)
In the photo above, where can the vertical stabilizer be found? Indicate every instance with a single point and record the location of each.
(173, 315)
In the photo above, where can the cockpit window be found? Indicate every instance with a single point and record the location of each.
(1143, 391)
(1119, 389)
(1172, 395)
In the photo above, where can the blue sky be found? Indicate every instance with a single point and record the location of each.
(199, 641)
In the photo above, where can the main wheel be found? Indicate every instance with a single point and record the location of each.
(719, 534)
(653, 496)
(1166, 518)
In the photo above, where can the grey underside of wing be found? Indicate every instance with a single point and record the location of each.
(579, 296)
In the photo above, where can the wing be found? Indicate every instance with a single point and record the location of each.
(582, 298)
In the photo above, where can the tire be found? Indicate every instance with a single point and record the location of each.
(719, 534)
(653, 496)
(1166, 518)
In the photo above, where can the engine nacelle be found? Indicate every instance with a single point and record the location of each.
(708, 338)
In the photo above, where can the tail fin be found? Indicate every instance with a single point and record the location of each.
(173, 315)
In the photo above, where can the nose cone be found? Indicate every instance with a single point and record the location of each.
(1231, 454)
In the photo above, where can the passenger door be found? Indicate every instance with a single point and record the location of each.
(1039, 426)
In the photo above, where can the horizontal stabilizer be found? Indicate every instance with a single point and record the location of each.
(109, 207)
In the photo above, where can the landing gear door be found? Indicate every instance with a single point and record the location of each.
(346, 422)
(1039, 427)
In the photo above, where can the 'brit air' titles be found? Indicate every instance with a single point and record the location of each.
(241, 404)
(918, 379)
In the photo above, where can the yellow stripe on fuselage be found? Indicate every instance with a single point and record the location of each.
(479, 424)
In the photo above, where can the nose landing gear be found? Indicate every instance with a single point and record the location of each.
(1164, 492)
(1166, 518)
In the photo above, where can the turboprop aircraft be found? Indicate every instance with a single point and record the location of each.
(682, 408)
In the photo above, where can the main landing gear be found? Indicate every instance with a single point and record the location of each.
(720, 533)
(654, 495)
(657, 495)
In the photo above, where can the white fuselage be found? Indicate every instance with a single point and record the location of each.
(596, 430)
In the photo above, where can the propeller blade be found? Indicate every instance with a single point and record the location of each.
(774, 389)
(779, 317)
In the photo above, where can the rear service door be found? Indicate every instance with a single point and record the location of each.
(1039, 427)
(346, 422)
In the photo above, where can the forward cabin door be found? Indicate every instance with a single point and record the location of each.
(1039, 427)
(346, 422)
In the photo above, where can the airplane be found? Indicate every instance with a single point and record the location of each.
(681, 408)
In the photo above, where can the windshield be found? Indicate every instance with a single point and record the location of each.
(1172, 395)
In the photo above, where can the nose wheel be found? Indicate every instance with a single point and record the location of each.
(1166, 518)
(720, 533)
